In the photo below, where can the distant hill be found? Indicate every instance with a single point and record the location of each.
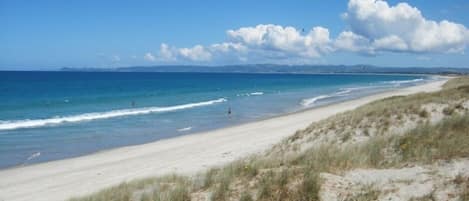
(272, 68)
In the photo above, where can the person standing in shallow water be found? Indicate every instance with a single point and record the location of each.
(229, 112)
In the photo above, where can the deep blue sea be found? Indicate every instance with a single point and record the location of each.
(54, 115)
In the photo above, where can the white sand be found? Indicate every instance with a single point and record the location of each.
(60, 180)
(399, 184)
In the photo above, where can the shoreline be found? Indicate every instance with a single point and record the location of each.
(62, 179)
(62, 120)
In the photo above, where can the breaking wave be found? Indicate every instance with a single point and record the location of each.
(27, 123)
(185, 129)
(310, 101)
(398, 82)
(256, 93)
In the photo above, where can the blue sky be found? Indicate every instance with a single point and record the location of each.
(53, 34)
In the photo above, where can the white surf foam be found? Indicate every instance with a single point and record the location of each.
(35, 155)
(257, 93)
(11, 125)
(185, 129)
(344, 91)
(404, 81)
(347, 91)
(310, 101)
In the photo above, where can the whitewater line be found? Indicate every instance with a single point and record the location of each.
(11, 125)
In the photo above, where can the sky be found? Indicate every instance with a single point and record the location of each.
(51, 34)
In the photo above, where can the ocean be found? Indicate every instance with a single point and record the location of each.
(48, 116)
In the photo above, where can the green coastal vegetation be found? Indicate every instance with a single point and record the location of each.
(396, 132)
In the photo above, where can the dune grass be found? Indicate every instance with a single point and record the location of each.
(457, 82)
(385, 113)
(296, 178)
(295, 175)
(443, 141)
(170, 187)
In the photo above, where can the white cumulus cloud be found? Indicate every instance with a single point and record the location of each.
(287, 40)
(263, 42)
(167, 53)
(149, 57)
(196, 53)
(350, 41)
(374, 27)
(403, 28)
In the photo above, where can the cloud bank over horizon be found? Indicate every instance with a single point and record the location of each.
(373, 27)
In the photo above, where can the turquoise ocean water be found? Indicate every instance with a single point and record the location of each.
(54, 115)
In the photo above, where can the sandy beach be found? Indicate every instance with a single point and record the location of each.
(60, 180)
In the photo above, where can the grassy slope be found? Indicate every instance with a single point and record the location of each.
(285, 173)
